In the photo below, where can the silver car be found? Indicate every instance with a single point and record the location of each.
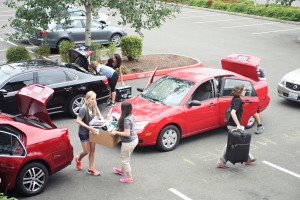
(289, 86)
(75, 32)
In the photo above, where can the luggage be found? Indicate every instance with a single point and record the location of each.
(238, 146)
(123, 93)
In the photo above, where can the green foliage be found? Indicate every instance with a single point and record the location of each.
(2, 197)
(109, 51)
(64, 47)
(247, 7)
(96, 51)
(131, 47)
(17, 53)
(147, 14)
(42, 51)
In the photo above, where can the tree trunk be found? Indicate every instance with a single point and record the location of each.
(88, 9)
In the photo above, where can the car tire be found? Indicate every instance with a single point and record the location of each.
(75, 104)
(59, 42)
(250, 123)
(32, 179)
(116, 39)
(168, 138)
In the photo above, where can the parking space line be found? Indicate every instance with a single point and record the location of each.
(9, 42)
(250, 25)
(198, 16)
(179, 194)
(257, 33)
(223, 20)
(281, 169)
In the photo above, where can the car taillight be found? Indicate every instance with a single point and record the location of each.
(105, 81)
(43, 33)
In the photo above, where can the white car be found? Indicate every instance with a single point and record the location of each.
(75, 11)
(289, 86)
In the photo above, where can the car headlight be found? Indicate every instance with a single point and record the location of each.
(282, 81)
(141, 125)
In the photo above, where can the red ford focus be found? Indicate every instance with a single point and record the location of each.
(191, 101)
(31, 147)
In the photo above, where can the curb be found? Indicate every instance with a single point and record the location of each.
(160, 72)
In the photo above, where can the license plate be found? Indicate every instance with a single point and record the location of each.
(293, 96)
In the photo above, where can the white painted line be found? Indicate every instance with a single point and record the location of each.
(250, 25)
(54, 56)
(2, 61)
(199, 16)
(281, 169)
(3, 50)
(224, 20)
(179, 194)
(257, 33)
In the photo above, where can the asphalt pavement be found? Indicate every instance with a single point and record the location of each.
(189, 171)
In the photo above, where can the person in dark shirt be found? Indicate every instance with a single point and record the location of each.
(115, 62)
(234, 122)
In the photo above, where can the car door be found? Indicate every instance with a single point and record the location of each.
(206, 115)
(100, 33)
(8, 103)
(76, 31)
(62, 84)
(12, 154)
(250, 100)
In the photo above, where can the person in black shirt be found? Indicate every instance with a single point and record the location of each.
(234, 122)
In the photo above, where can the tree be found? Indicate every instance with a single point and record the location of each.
(34, 15)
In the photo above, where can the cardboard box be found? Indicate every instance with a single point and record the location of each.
(104, 138)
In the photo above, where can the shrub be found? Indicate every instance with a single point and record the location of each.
(109, 51)
(131, 47)
(64, 47)
(17, 53)
(2, 197)
(96, 51)
(42, 51)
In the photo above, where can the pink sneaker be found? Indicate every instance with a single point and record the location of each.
(118, 171)
(93, 172)
(250, 162)
(78, 164)
(126, 180)
(218, 165)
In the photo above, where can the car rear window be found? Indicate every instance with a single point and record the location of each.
(32, 121)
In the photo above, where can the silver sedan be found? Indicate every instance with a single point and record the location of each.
(289, 86)
(75, 32)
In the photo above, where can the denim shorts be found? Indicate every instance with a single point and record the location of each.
(84, 138)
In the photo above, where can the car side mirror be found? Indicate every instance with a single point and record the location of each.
(194, 103)
(140, 89)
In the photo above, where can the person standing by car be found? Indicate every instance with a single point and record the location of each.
(115, 62)
(234, 122)
(112, 77)
(129, 139)
(86, 113)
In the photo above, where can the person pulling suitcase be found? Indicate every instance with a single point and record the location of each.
(234, 124)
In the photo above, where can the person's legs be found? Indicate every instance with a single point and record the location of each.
(112, 83)
(84, 152)
(260, 127)
(222, 160)
(92, 169)
(126, 152)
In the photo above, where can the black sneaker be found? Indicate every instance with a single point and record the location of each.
(111, 104)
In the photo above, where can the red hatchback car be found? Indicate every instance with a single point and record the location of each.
(31, 147)
(191, 101)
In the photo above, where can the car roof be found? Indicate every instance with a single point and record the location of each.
(197, 74)
(17, 67)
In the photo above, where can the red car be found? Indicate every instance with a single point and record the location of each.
(31, 147)
(191, 101)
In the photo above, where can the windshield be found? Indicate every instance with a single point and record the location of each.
(168, 90)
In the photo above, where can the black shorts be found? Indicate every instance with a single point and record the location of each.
(112, 82)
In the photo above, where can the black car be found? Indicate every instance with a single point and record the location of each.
(69, 83)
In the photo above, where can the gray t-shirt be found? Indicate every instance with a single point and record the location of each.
(105, 70)
(86, 115)
(129, 124)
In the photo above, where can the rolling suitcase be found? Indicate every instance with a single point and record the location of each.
(238, 146)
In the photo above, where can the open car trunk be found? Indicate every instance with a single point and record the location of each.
(244, 65)
(78, 57)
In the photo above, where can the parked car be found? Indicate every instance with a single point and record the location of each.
(70, 85)
(289, 86)
(31, 147)
(194, 100)
(75, 11)
(75, 32)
